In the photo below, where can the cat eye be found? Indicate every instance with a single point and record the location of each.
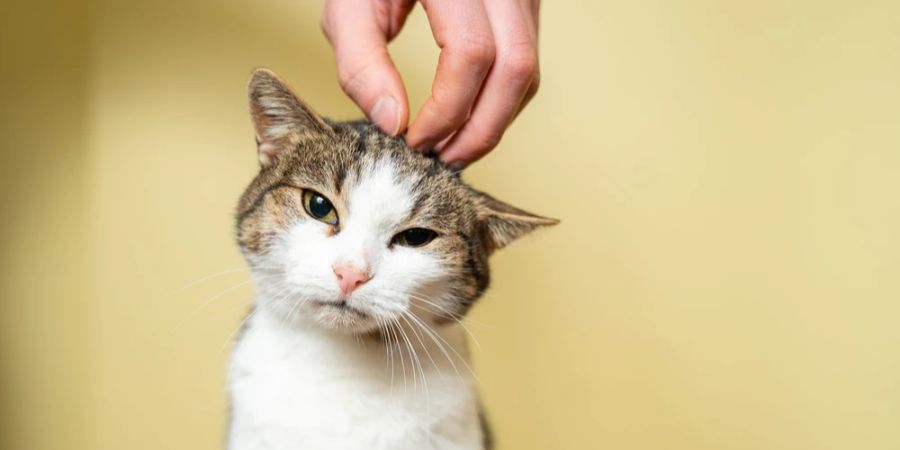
(414, 237)
(317, 206)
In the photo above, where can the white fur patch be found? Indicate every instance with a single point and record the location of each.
(309, 388)
(376, 205)
(300, 378)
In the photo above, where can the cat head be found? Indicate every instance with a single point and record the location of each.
(349, 228)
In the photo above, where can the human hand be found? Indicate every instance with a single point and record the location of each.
(487, 70)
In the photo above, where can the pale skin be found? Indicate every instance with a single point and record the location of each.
(487, 70)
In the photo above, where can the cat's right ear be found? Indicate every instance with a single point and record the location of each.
(503, 223)
(281, 119)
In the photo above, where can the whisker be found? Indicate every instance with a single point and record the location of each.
(208, 302)
(428, 436)
(390, 348)
(388, 351)
(222, 273)
(415, 358)
(236, 330)
(442, 309)
(210, 277)
(443, 312)
(439, 345)
(438, 336)
(393, 330)
(421, 342)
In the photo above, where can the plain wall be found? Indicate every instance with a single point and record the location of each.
(46, 358)
(726, 274)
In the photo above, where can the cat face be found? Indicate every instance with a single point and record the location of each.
(349, 229)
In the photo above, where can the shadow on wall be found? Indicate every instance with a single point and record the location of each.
(45, 360)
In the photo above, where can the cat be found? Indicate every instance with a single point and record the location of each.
(365, 255)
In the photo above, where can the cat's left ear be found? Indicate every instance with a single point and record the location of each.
(280, 118)
(502, 223)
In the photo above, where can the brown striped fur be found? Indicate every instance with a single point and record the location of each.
(298, 149)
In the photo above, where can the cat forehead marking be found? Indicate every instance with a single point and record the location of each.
(377, 198)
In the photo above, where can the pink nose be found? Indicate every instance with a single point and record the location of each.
(350, 278)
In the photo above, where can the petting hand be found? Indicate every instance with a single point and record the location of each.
(486, 74)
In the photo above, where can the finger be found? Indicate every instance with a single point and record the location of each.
(463, 32)
(392, 14)
(530, 93)
(535, 7)
(506, 88)
(365, 70)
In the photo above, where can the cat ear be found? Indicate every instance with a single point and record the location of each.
(502, 223)
(280, 118)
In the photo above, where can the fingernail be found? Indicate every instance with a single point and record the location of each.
(386, 115)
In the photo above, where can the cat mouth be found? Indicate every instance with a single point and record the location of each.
(343, 306)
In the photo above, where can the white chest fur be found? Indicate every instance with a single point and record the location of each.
(307, 388)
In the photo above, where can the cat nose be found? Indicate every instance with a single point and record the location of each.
(349, 277)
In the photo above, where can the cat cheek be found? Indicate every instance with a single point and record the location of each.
(307, 256)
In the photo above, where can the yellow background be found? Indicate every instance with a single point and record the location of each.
(726, 276)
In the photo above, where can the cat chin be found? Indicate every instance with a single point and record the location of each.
(344, 320)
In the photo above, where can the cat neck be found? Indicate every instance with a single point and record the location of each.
(298, 382)
(421, 346)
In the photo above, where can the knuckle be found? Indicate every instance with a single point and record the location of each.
(536, 82)
(520, 65)
(350, 75)
(477, 49)
(447, 114)
(483, 140)
(346, 77)
(447, 119)
(535, 85)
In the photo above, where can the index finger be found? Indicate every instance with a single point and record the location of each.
(365, 70)
(462, 30)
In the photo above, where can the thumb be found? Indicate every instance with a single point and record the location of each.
(365, 70)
